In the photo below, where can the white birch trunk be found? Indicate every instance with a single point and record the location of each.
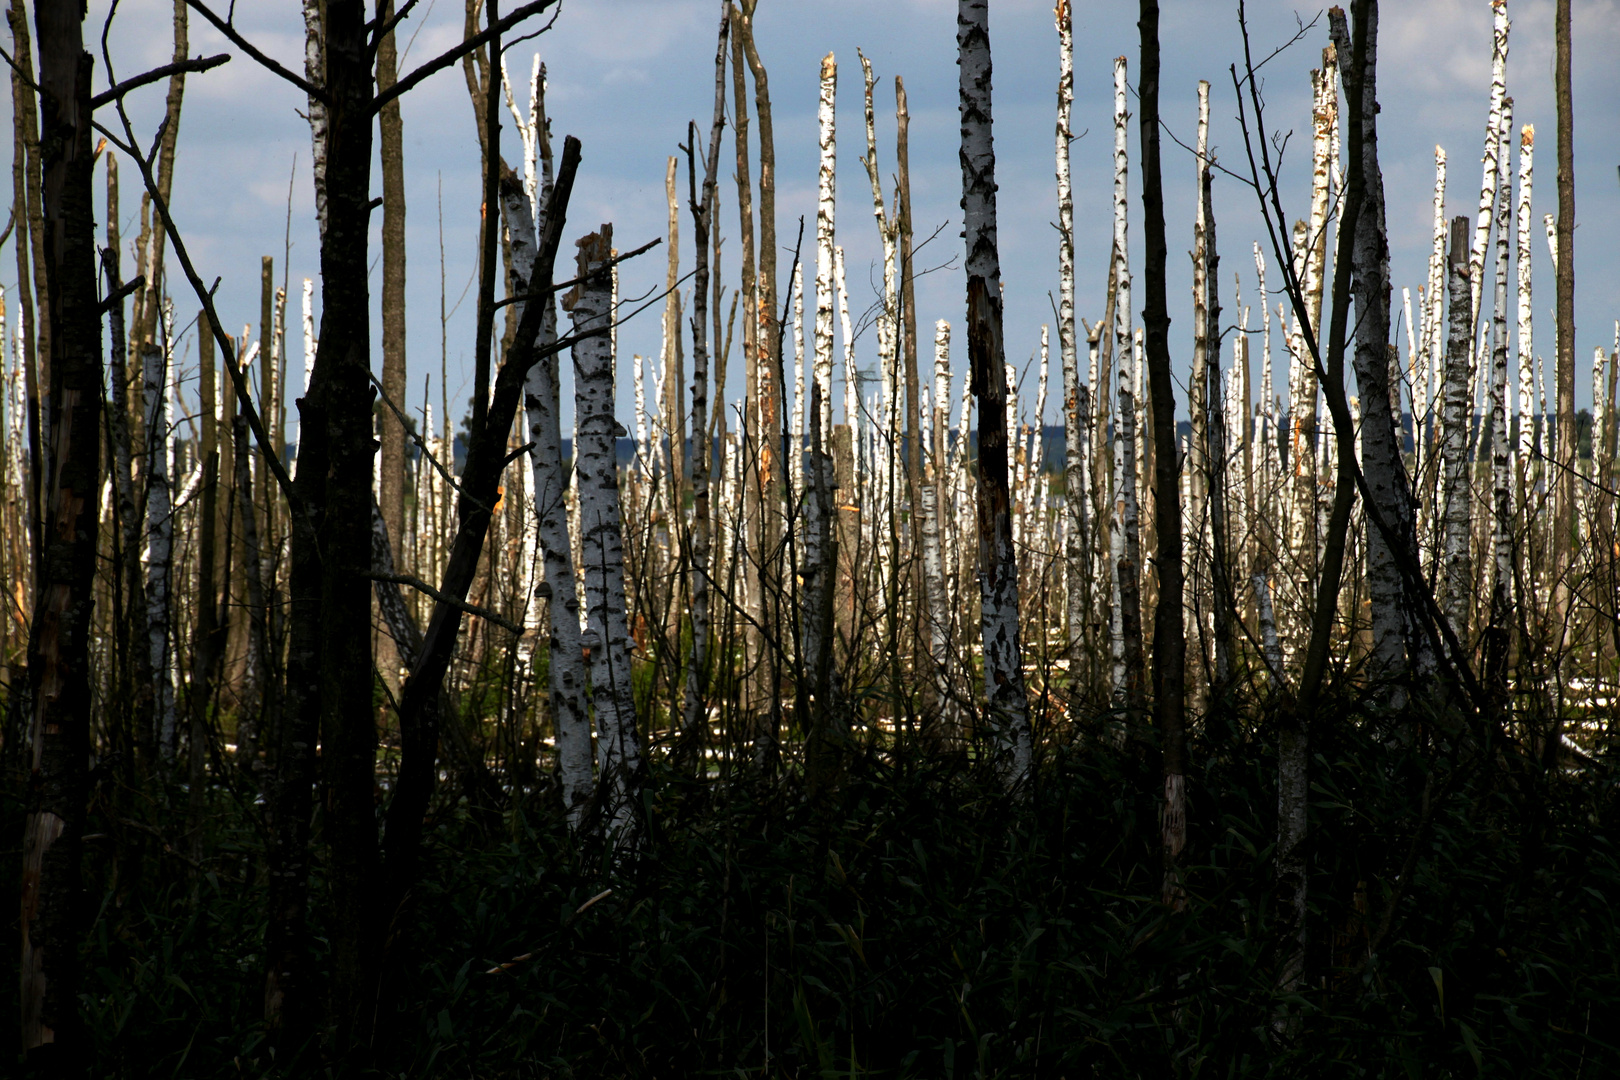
(607, 637)
(1436, 296)
(1523, 230)
(796, 450)
(1075, 452)
(566, 673)
(1125, 539)
(998, 579)
(1457, 579)
(1501, 469)
(309, 345)
(315, 74)
(1493, 146)
(826, 212)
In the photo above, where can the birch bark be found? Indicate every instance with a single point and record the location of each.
(566, 672)
(607, 637)
(826, 211)
(1077, 570)
(1457, 580)
(998, 564)
(1523, 229)
(1501, 468)
(1392, 623)
(1126, 626)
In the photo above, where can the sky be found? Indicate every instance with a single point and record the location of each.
(626, 76)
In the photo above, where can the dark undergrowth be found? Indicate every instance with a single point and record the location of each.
(920, 922)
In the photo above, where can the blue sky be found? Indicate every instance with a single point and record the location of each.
(626, 76)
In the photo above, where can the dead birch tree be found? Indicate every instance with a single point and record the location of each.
(998, 562)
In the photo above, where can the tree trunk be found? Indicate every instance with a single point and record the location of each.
(159, 529)
(607, 635)
(1169, 640)
(1523, 229)
(392, 461)
(703, 214)
(53, 911)
(1076, 558)
(1215, 451)
(566, 672)
(908, 338)
(1456, 587)
(1394, 619)
(1501, 544)
(1005, 698)
(29, 241)
(1563, 541)
(1125, 543)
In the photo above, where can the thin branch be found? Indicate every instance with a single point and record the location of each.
(451, 56)
(560, 286)
(201, 63)
(445, 598)
(123, 291)
(388, 27)
(224, 27)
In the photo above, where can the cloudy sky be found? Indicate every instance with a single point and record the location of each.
(626, 75)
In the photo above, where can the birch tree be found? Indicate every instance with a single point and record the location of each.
(606, 637)
(703, 212)
(998, 563)
(1074, 416)
(1524, 231)
(1456, 589)
(1392, 611)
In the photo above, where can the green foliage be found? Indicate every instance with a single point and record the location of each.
(921, 922)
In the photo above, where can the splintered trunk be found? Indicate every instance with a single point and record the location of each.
(1215, 452)
(606, 638)
(1456, 585)
(998, 562)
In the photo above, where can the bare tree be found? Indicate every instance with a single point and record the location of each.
(998, 563)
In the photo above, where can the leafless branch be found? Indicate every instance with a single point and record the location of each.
(450, 56)
(224, 27)
(445, 598)
(201, 63)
